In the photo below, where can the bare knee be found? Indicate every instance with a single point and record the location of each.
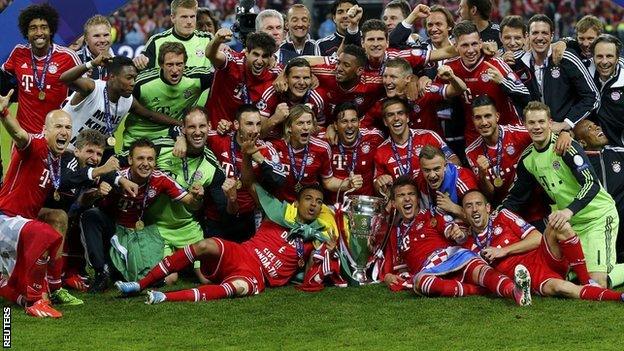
(242, 287)
(206, 247)
(171, 278)
(600, 278)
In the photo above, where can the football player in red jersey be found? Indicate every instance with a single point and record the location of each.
(485, 76)
(506, 240)
(399, 154)
(38, 66)
(270, 258)
(419, 248)
(29, 245)
(240, 78)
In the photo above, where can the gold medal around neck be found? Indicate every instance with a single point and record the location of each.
(298, 187)
(57, 196)
(301, 263)
(111, 141)
(139, 225)
(498, 182)
(42, 95)
(433, 222)
(239, 184)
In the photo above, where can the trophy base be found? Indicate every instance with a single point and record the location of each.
(359, 275)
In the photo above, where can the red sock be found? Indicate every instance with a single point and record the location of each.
(35, 279)
(490, 279)
(203, 293)
(431, 285)
(55, 269)
(573, 252)
(170, 264)
(596, 293)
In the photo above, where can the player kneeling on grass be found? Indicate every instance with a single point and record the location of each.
(506, 240)
(271, 257)
(441, 268)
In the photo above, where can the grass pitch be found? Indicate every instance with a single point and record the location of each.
(364, 318)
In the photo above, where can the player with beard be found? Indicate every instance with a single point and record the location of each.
(37, 67)
(399, 154)
(485, 76)
(97, 39)
(270, 258)
(440, 268)
(240, 224)
(307, 159)
(30, 246)
(396, 78)
(274, 106)
(241, 77)
(506, 240)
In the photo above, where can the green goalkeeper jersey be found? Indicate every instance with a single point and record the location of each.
(569, 180)
(195, 46)
(175, 223)
(153, 92)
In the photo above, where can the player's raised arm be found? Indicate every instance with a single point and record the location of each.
(74, 78)
(17, 133)
(217, 57)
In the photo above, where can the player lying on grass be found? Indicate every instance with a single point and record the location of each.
(440, 267)
(506, 240)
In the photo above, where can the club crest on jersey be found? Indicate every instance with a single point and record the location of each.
(366, 148)
(485, 77)
(616, 95)
(188, 93)
(151, 192)
(555, 72)
(434, 88)
(53, 68)
(498, 230)
(556, 165)
(359, 100)
(616, 167)
(510, 150)
(199, 52)
(416, 108)
(310, 160)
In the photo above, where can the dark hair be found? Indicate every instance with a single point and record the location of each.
(482, 100)
(143, 142)
(450, 21)
(429, 152)
(402, 181)
(44, 12)
(171, 47)
(374, 24)
(261, 40)
(608, 38)
(117, 63)
(244, 108)
(484, 7)
(392, 101)
(536, 106)
(313, 186)
(296, 62)
(541, 18)
(513, 22)
(474, 191)
(206, 11)
(464, 28)
(356, 51)
(337, 3)
(90, 137)
(401, 5)
(345, 106)
(188, 112)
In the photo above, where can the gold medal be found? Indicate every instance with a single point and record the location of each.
(42, 95)
(498, 181)
(433, 222)
(298, 187)
(57, 196)
(111, 141)
(139, 225)
(239, 184)
(301, 263)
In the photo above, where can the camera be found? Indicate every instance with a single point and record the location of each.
(245, 19)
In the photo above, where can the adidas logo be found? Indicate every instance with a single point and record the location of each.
(24, 65)
(524, 76)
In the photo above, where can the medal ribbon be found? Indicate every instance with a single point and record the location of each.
(354, 153)
(298, 174)
(233, 156)
(399, 235)
(40, 82)
(408, 167)
(185, 169)
(55, 171)
(499, 152)
(488, 238)
(299, 247)
(244, 90)
(107, 113)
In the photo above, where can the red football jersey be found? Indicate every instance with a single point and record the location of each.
(233, 84)
(317, 167)
(368, 91)
(466, 181)
(423, 111)
(127, 210)
(364, 156)
(278, 256)
(31, 111)
(28, 180)
(479, 83)
(417, 58)
(271, 98)
(385, 159)
(221, 146)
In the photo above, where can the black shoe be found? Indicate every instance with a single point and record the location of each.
(101, 282)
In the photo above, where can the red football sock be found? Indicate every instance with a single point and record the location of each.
(170, 264)
(35, 279)
(573, 252)
(596, 293)
(490, 279)
(431, 285)
(55, 269)
(203, 293)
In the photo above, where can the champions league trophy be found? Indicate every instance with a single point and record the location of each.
(365, 218)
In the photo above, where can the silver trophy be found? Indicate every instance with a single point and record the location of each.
(365, 217)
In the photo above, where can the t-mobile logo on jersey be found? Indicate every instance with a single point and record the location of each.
(28, 83)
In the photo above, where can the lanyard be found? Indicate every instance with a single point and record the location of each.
(488, 237)
(298, 174)
(55, 171)
(499, 152)
(185, 169)
(399, 235)
(233, 156)
(408, 167)
(40, 81)
(354, 153)
(107, 113)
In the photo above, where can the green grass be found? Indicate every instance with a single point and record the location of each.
(365, 318)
